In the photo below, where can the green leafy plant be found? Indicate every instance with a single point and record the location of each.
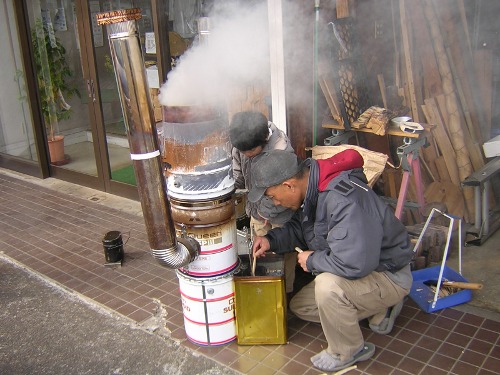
(108, 64)
(54, 77)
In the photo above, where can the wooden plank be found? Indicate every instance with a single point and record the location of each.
(459, 62)
(465, 25)
(430, 153)
(441, 103)
(423, 44)
(473, 130)
(427, 175)
(381, 85)
(408, 63)
(443, 141)
(433, 176)
(457, 136)
(449, 194)
(330, 94)
(395, 40)
(429, 118)
(444, 175)
(483, 63)
(391, 177)
(342, 7)
(475, 153)
(473, 148)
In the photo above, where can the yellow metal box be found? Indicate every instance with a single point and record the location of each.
(260, 302)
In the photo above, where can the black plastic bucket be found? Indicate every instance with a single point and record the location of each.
(113, 246)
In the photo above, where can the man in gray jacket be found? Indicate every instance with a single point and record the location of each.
(251, 134)
(345, 235)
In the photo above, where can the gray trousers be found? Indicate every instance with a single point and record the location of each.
(339, 304)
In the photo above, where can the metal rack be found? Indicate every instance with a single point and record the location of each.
(486, 222)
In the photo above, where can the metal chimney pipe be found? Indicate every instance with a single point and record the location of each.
(138, 114)
(204, 28)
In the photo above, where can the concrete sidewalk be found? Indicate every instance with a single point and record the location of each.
(49, 330)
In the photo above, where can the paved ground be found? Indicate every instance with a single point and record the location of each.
(98, 320)
(48, 330)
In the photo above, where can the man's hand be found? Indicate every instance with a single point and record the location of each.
(260, 246)
(302, 259)
(266, 221)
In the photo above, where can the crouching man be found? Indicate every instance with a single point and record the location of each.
(351, 240)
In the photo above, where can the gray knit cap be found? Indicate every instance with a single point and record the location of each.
(271, 168)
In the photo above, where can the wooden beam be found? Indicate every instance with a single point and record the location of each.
(408, 62)
(455, 126)
(483, 64)
(423, 44)
(443, 141)
(342, 7)
(381, 84)
(328, 88)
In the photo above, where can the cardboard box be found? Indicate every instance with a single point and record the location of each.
(243, 242)
(150, 43)
(261, 302)
(153, 77)
(423, 294)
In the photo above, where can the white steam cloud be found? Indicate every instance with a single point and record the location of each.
(236, 55)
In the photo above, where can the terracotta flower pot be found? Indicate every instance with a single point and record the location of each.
(56, 149)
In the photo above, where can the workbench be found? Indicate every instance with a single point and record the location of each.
(485, 222)
(408, 153)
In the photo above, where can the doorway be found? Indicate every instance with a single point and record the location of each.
(78, 95)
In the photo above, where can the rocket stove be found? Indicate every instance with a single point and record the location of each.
(197, 156)
(186, 191)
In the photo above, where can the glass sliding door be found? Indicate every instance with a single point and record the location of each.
(62, 89)
(120, 164)
(77, 90)
(16, 126)
(116, 141)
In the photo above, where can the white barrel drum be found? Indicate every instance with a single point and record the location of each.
(208, 308)
(197, 159)
(218, 250)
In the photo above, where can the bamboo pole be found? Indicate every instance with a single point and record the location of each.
(455, 126)
(408, 63)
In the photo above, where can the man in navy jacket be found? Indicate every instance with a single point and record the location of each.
(358, 250)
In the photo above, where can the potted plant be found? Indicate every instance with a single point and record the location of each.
(53, 76)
